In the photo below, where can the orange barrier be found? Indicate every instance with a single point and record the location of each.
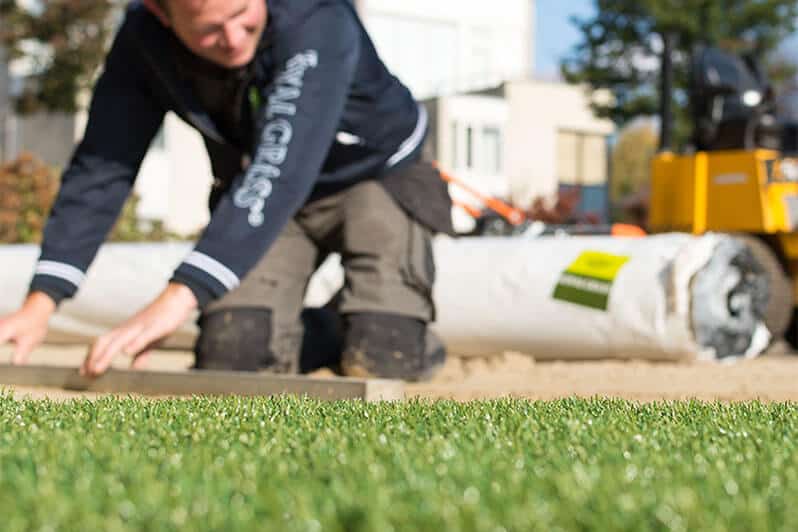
(628, 230)
(511, 214)
(470, 209)
(516, 216)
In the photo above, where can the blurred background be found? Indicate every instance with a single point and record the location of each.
(550, 105)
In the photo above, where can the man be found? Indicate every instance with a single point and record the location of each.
(315, 148)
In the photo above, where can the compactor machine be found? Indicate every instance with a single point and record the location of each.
(740, 173)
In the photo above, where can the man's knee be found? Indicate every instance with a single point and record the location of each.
(235, 340)
(390, 346)
(375, 224)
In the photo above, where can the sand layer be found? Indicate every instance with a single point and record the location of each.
(772, 377)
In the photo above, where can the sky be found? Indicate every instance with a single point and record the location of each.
(555, 33)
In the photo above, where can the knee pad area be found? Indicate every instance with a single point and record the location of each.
(234, 340)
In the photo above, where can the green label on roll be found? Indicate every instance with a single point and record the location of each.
(588, 281)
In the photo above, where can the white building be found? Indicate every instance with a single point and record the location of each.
(450, 46)
(524, 140)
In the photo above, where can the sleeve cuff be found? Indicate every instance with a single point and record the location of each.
(203, 294)
(56, 288)
(208, 278)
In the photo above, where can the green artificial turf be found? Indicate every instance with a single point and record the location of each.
(291, 464)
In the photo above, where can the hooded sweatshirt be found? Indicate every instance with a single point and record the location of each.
(324, 113)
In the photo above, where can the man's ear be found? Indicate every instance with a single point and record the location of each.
(158, 11)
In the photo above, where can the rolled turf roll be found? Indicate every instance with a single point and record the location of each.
(666, 297)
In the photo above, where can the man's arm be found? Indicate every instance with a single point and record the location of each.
(298, 123)
(123, 119)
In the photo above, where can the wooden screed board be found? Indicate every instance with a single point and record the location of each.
(201, 383)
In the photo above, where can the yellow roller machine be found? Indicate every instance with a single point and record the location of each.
(737, 178)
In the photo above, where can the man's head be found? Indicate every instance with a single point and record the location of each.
(225, 32)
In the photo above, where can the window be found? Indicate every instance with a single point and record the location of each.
(476, 147)
(455, 162)
(470, 147)
(581, 158)
(491, 150)
(594, 154)
(568, 160)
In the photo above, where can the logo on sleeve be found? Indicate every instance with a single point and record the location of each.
(275, 137)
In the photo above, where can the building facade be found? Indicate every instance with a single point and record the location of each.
(451, 46)
(524, 140)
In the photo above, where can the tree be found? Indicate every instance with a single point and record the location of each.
(621, 47)
(62, 42)
(631, 159)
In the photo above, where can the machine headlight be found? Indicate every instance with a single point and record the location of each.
(789, 169)
(752, 98)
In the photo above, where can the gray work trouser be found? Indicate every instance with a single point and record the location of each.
(386, 255)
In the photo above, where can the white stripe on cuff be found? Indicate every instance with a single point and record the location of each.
(414, 140)
(61, 270)
(214, 268)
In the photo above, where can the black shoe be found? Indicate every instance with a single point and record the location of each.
(322, 341)
(389, 346)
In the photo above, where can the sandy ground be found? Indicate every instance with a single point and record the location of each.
(772, 377)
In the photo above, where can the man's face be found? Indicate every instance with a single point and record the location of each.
(225, 32)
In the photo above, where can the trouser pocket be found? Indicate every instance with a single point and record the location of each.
(418, 268)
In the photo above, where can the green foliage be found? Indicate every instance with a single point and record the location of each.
(631, 159)
(64, 41)
(28, 189)
(292, 464)
(129, 228)
(621, 46)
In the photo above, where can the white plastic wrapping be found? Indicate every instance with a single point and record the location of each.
(507, 294)
(550, 297)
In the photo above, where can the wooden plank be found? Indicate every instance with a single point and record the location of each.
(186, 383)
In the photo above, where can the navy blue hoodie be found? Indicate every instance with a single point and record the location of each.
(330, 113)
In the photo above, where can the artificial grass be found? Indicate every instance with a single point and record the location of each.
(295, 464)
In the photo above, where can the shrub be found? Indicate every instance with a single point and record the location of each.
(27, 190)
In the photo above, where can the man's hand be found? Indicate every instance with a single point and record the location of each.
(135, 337)
(27, 327)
